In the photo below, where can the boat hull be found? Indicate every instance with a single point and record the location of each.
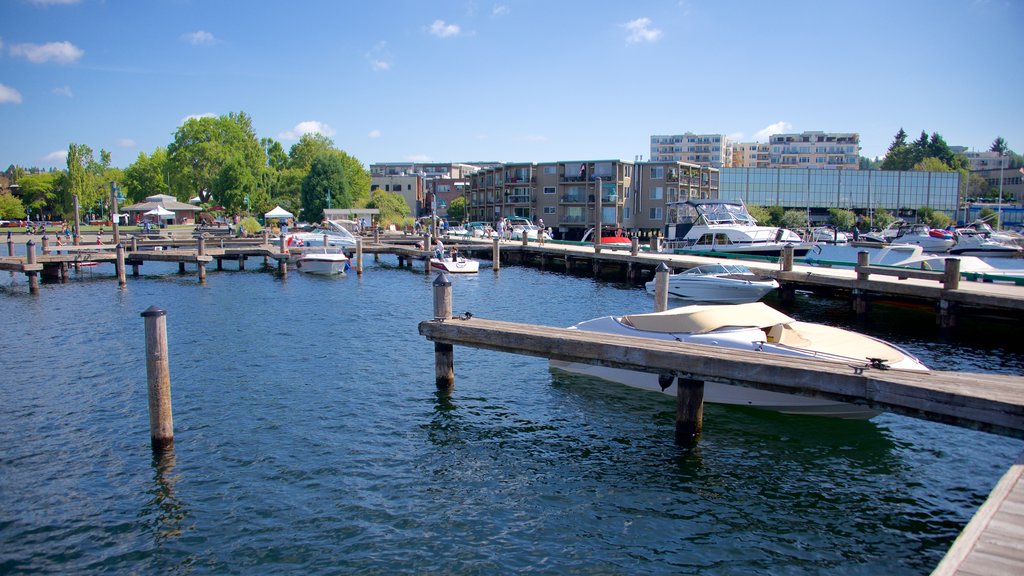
(322, 264)
(458, 266)
(718, 290)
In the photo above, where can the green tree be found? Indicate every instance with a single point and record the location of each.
(991, 216)
(760, 213)
(38, 192)
(357, 178)
(324, 187)
(11, 207)
(999, 145)
(457, 209)
(393, 207)
(233, 184)
(933, 218)
(932, 164)
(277, 158)
(898, 157)
(309, 146)
(286, 187)
(794, 219)
(147, 176)
(842, 219)
(880, 218)
(80, 178)
(202, 146)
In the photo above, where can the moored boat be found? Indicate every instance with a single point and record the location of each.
(752, 327)
(610, 238)
(717, 283)
(702, 226)
(322, 262)
(454, 263)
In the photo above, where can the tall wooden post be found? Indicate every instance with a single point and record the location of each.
(634, 246)
(526, 239)
(786, 264)
(689, 411)
(376, 234)
(496, 255)
(863, 259)
(359, 256)
(10, 244)
(661, 275)
(30, 258)
(444, 354)
(119, 264)
(597, 219)
(46, 245)
(656, 244)
(158, 380)
(135, 248)
(201, 251)
(113, 212)
(951, 274)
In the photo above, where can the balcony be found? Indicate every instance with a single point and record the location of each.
(518, 199)
(571, 199)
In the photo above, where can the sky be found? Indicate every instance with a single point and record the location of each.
(505, 80)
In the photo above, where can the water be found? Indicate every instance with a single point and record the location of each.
(310, 439)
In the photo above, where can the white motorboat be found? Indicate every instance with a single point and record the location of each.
(928, 238)
(455, 264)
(845, 256)
(829, 235)
(701, 226)
(753, 327)
(335, 233)
(971, 266)
(718, 283)
(322, 262)
(977, 241)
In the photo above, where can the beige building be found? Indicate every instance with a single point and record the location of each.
(634, 195)
(829, 150)
(750, 155)
(714, 150)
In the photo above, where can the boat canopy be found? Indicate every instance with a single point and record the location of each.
(700, 319)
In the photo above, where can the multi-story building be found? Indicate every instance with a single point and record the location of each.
(419, 181)
(410, 186)
(564, 195)
(712, 150)
(427, 169)
(987, 160)
(750, 155)
(832, 150)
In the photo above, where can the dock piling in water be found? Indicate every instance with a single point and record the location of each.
(158, 380)
(496, 255)
(661, 287)
(30, 258)
(444, 354)
(689, 411)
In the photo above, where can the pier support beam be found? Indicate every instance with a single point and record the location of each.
(359, 256)
(158, 380)
(119, 265)
(786, 260)
(863, 259)
(947, 314)
(134, 249)
(689, 411)
(787, 293)
(444, 354)
(861, 304)
(661, 287)
(201, 266)
(496, 255)
(30, 258)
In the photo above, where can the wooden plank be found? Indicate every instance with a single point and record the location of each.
(902, 272)
(993, 403)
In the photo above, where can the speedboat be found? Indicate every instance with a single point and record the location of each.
(974, 241)
(702, 226)
(753, 327)
(336, 235)
(718, 283)
(323, 262)
(610, 238)
(455, 264)
(972, 267)
(829, 235)
(845, 256)
(928, 238)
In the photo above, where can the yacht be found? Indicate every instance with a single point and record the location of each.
(336, 234)
(702, 226)
(717, 283)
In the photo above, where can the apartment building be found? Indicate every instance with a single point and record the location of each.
(830, 150)
(987, 160)
(714, 150)
(750, 155)
(633, 196)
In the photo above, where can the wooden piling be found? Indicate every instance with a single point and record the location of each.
(10, 244)
(496, 255)
(135, 248)
(119, 265)
(634, 246)
(861, 304)
(951, 280)
(30, 258)
(526, 239)
(201, 251)
(444, 354)
(181, 267)
(656, 244)
(863, 259)
(661, 275)
(689, 411)
(359, 256)
(46, 244)
(786, 261)
(158, 379)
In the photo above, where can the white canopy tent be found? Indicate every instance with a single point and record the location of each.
(279, 213)
(160, 212)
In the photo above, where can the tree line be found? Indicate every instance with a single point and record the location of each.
(220, 161)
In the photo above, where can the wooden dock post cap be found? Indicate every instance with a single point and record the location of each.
(442, 280)
(663, 268)
(153, 312)
(30, 242)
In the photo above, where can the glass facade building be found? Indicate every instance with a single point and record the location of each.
(900, 193)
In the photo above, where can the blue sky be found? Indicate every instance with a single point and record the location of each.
(505, 80)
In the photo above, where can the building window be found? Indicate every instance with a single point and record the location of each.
(657, 172)
(656, 193)
(549, 189)
(549, 169)
(656, 213)
(549, 209)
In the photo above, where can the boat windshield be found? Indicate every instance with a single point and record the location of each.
(709, 269)
(715, 213)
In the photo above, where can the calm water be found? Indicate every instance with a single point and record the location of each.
(309, 439)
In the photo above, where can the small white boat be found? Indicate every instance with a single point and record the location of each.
(928, 238)
(752, 327)
(829, 235)
(457, 264)
(323, 262)
(718, 284)
(335, 233)
(976, 241)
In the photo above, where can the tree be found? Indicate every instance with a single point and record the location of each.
(357, 178)
(881, 217)
(898, 155)
(38, 191)
(324, 187)
(11, 208)
(147, 176)
(233, 184)
(393, 207)
(999, 145)
(932, 164)
(79, 180)
(842, 219)
(933, 218)
(309, 146)
(794, 219)
(202, 146)
(760, 213)
(457, 209)
(277, 158)
(991, 216)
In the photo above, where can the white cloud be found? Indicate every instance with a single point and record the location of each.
(54, 2)
(735, 137)
(58, 157)
(640, 31)
(307, 127)
(442, 30)
(63, 91)
(779, 127)
(499, 10)
(199, 38)
(379, 57)
(126, 143)
(417, 158)
(197, 117)
(60, 52)
(374, 133)
(9, 95)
